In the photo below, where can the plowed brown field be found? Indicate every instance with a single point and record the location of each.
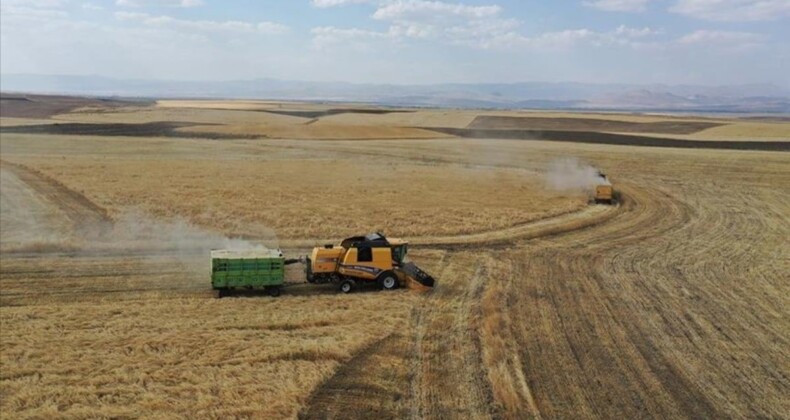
(673, 303)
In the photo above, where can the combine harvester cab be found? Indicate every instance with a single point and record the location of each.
(366, 259)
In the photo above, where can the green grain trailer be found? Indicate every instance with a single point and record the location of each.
(251, 269)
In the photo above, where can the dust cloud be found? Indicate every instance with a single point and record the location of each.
(135, 230)
(570, 174)
(136, 233)
(177, 239)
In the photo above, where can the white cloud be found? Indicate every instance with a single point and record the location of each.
(733, 10)
(723, 40)
(37, 4)
(569, 38)
(167, 3)
(333, 3)
(431, 10)
(448, 22)
(91, 6)
(12, 14)
(619, 5)
(635, 32)
(203, 25)
(328, 35)
(476, 26)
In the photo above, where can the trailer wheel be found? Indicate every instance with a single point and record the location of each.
(274, 291)
(388, 281)
(347, 286)
(220, 293)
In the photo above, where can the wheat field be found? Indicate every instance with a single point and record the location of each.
(673, 303)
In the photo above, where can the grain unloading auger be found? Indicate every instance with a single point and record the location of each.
(357, 260)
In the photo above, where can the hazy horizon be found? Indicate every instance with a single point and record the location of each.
(426, 84)
(402, 42)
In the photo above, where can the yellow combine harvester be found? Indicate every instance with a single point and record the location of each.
(365, 259)
(604, 192)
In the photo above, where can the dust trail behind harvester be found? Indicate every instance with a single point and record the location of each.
(137, 231)
(40, 216)
(131, 234)
(176, 238)
(570, 174)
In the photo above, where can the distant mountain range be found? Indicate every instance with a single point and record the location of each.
(752, 98)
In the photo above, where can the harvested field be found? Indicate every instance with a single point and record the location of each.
(674, 303)
(488, 122)
(152, 129)
(614, 139)
(333, 111)
(294, 120)
(38, 106)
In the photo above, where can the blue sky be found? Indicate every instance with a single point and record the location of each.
(402, 41)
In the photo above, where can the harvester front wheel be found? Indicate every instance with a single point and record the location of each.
(388, 281)
(347, 286)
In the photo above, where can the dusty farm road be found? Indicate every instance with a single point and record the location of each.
(673, 305)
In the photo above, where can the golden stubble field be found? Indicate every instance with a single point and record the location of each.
(672, 304)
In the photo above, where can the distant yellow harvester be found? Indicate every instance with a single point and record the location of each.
(604, 192)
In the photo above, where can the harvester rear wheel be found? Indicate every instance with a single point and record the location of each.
(274, 291)
(347, 286)
(388, 281)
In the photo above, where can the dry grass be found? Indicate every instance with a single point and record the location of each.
(247, 118)
(85, 353)
(300, 199)
(745, 130)
(215, 104)
(13, 121)
(674, 304)
(320, 131)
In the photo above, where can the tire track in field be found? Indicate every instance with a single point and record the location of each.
(448, 355)
(605, 365)
(586, 217)
(362, 387)
(432, 367)
(82, 212)
(440, 353)
(677, 308)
